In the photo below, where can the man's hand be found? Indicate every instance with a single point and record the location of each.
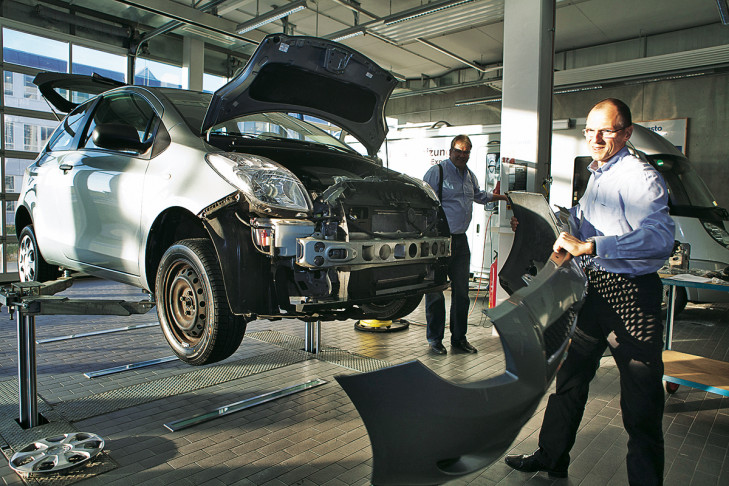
(514, 223)
(499, 197)
(572, 245)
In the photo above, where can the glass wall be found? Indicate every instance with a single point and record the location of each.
(27, 120)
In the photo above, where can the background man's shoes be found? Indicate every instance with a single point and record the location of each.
(464, 346)
(437, 348)
(531, 463)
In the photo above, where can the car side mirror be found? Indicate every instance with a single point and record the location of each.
(118, 136)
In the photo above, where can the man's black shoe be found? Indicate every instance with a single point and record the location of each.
(438, 348)
(465, 346)
(530, 463)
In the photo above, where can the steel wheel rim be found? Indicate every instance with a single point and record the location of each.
(186, 303)
(26, 259)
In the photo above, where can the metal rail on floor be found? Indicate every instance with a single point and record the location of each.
(30, 299)
(96, 333)
(129, 367)
(241, 405)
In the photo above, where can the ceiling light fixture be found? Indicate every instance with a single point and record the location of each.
(271, 16)
(431, 8)
(347, 34)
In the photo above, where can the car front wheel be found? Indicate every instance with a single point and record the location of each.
(32, 267)
(192, 306)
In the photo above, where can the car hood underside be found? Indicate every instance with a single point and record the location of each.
(312, 76)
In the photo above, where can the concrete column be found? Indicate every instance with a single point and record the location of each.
(193, 62)
(526, 107)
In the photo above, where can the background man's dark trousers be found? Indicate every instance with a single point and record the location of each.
(458, 271)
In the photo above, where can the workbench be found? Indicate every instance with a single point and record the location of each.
(688, 369)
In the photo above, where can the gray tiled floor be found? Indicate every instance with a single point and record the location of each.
(316, 437)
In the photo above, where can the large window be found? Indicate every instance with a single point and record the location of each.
(212, 83)
(153, 73)
(34, 51)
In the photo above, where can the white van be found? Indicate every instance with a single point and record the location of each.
(699, 221)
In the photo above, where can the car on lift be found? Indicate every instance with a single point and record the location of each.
(238, 205)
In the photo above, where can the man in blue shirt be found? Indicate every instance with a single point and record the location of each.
(624, 234)
(457, 193)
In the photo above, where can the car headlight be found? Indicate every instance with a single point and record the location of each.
(717, 232)
(262, 179)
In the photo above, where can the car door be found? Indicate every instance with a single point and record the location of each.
(46, 180)
(102, 188)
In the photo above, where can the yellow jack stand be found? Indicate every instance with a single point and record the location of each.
(373, 325)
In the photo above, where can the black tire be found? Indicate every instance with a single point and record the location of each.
(391, 310)
(32, 267)
(681, 300)
(192, 306)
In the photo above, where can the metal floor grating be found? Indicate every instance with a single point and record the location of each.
(133, 395)
(329, 354)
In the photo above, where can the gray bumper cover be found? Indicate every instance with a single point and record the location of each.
(426, 430)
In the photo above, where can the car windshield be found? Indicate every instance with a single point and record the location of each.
(685, 186)
(285, 126)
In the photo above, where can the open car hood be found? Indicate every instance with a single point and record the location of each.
(417, 434)
(49, 83)
(318, 77)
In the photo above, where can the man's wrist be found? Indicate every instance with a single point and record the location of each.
(593, 248)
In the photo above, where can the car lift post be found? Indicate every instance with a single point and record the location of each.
(33, 298)
(312, 339)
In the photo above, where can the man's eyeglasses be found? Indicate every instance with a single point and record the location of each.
(604, 133)
(461, 152)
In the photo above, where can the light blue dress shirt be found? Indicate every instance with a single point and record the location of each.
(460, 190)
(625, 210)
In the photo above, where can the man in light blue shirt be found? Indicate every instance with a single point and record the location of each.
(458, 191)
(624, 234)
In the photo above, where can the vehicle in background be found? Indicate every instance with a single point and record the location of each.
(700, 222)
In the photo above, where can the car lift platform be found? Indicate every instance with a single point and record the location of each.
(30, 299)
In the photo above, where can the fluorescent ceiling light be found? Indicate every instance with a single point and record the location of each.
(439, 19)
(427, 10)
(271, 16)
(347, 34)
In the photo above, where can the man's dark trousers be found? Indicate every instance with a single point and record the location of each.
(458, 270)
(623, 314)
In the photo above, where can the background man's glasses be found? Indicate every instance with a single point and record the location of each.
(461, 152)
(604, 133)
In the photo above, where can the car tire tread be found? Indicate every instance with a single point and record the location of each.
(223, 331)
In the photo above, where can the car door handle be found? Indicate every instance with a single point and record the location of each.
(65, 167)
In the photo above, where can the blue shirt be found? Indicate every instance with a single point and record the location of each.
(460, 190)
(625, 209)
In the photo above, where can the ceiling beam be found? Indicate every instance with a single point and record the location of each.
(188, 15)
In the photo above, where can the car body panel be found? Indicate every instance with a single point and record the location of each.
(418, 435)
(313, 76)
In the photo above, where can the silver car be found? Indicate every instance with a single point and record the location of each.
(238, 205)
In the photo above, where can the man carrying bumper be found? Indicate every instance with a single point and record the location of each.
(624, 235)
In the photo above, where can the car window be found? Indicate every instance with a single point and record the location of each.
(192, 105)
(62, 138)
(123, 108)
